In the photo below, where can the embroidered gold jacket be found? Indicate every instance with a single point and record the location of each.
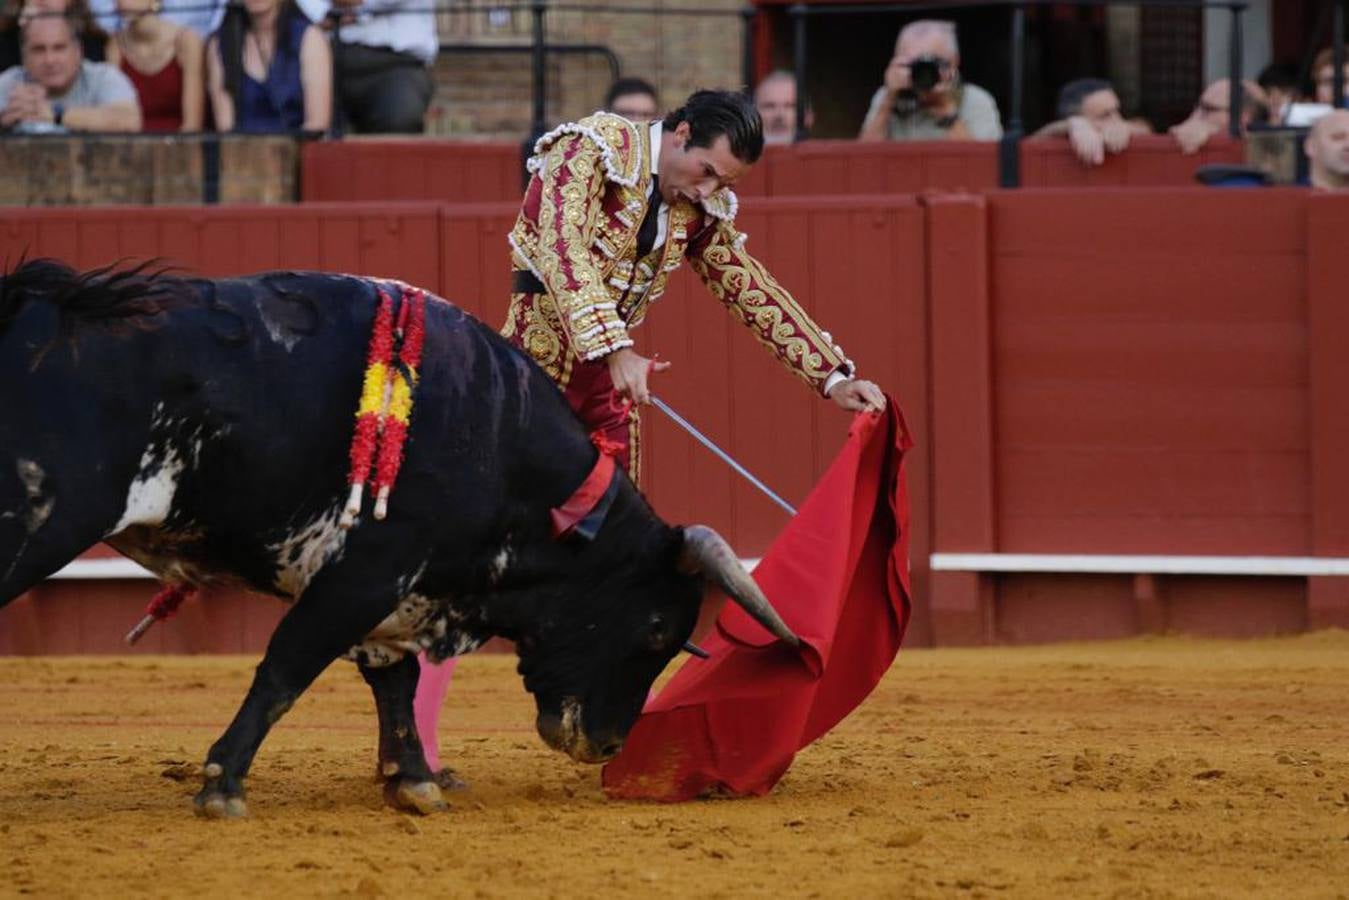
(577, 235)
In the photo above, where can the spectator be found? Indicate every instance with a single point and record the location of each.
(1282, 89)
(56, 89)
(13, 13)
(775, 98)
(164, 62)
(1212, 114)
(1323, 77)
(383, 59)
(634, 99)
(1327, 147)
(923, 97)
(269, 70)
(1090, 117)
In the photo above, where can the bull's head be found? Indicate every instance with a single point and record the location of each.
(591, 674)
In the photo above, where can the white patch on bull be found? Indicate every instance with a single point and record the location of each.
(279, 332)
(301, 554)
(499, 564)
(407, 582)
(39, 510)
(150, 497)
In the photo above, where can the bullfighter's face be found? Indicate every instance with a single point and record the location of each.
(695, 173)
(591, 676)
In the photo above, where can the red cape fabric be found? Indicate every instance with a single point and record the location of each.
(838, 575)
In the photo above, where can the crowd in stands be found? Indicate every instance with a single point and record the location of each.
(261, 66)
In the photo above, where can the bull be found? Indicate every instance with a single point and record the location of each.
(202, 428)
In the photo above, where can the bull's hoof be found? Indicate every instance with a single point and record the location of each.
(421, 797)
(448, 780)
(217, 806)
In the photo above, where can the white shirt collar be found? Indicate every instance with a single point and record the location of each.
(656, 130)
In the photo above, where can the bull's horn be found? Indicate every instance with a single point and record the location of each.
(707, 553)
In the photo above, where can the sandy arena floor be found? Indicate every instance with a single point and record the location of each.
(1150, 768)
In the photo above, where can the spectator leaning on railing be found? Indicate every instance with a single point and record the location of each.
(164, 61)
(1212, 114)
(1327, 147)
(1282, 89)
(386, 49)
(1090, 117)
(56, 89)
(269, 70)
(924, 98)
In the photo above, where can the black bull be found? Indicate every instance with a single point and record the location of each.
(202, 427)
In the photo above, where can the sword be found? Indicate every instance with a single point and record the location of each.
(725, 457)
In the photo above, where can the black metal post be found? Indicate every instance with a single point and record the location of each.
(1236, 92)
(1009, 148)
(210, 169)
(539, 123)
(1337, 54)
(798, 12)
(747, 59)
(337, 122)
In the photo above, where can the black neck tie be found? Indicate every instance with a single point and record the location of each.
(646, 234)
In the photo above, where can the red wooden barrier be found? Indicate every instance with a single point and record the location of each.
(361, 170)
(1149, 394)
(458, 172)
(1105, 371)
(1150, 161)
(851, 167)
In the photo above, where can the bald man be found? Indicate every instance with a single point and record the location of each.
(1328, 151)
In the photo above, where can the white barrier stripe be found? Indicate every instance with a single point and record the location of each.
(87, 569)
(1131, 565)
(120, 567)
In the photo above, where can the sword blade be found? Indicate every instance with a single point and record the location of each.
(725, 457)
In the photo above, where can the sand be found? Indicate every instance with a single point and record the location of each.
(1149, 768)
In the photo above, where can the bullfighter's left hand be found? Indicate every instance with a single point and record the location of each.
(856, 395)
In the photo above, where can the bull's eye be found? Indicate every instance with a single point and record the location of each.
(658, 634)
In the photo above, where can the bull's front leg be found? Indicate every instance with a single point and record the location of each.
(335, 613)
(408, 782)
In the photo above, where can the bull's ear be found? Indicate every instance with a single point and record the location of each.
(707, 553)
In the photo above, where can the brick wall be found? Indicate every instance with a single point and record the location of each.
(488, 94)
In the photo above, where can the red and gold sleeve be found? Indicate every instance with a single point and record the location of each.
(754, 297)
(573, 183)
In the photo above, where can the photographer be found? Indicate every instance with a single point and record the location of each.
(923, 98)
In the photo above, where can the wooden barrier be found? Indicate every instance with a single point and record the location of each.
(456, 172)
(83, 170)
(1152, 374)
(1151, 161)
(373, 170)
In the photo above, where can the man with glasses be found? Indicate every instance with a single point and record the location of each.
(1212, 116)
(923, 97)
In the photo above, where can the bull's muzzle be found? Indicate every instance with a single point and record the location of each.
(563, 733)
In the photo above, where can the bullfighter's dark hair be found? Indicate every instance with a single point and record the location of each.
(108, 295)
(711, 114)
(1072, 94)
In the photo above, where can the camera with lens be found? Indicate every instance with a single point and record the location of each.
(925, 72)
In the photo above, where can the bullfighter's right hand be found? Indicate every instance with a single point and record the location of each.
(629, 371)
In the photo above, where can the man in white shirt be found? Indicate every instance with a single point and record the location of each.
(383, 56)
